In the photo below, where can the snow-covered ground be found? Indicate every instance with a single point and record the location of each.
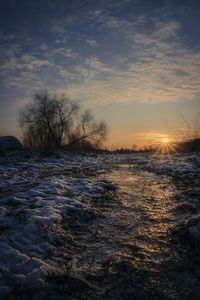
(38, 194)
(180, 165)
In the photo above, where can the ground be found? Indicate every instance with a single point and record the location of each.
(99, 226)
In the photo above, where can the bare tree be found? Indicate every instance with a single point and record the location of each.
(46, 119)
(89, 130)
(52, 120)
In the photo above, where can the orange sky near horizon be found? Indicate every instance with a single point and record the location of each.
(124, 138)
(135, 64)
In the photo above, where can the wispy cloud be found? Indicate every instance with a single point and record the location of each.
(160, 68)
(66, 52)
(153, 65)
(61, 25)
(92, 42)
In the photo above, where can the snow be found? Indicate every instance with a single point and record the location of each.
(176, 165)
(32, 216)
(38, 194)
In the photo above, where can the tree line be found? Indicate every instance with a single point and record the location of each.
(53, 121)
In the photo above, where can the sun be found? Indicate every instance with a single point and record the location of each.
(166, 147)
(165, 140)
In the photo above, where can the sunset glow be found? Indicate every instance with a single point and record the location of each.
(165, 140)
(166, 147)
(73, 48)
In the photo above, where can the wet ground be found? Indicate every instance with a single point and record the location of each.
(124, 249)
(100, 227)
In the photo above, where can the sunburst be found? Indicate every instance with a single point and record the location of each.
(166, 147)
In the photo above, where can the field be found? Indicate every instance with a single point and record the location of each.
(100, 226)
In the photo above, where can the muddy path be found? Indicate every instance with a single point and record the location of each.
(124, 249)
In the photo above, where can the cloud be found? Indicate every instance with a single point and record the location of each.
(44, 47)
(159, 68)
(30, 64)
(65, 52)
(60, 26)
(153, 64)
(92, 43)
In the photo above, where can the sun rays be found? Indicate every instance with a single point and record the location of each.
(165, 147)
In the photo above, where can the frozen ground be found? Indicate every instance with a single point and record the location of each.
(100, 226)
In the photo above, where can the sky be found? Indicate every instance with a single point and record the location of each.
(134, 63)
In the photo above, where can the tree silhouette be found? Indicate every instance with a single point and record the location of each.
(53, 120)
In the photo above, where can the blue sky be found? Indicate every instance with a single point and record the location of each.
(135, 63)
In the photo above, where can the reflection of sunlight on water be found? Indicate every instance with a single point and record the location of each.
(130, 233)
(131, 178)
(146, 205)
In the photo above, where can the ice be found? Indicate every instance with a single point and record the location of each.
(39, 195)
